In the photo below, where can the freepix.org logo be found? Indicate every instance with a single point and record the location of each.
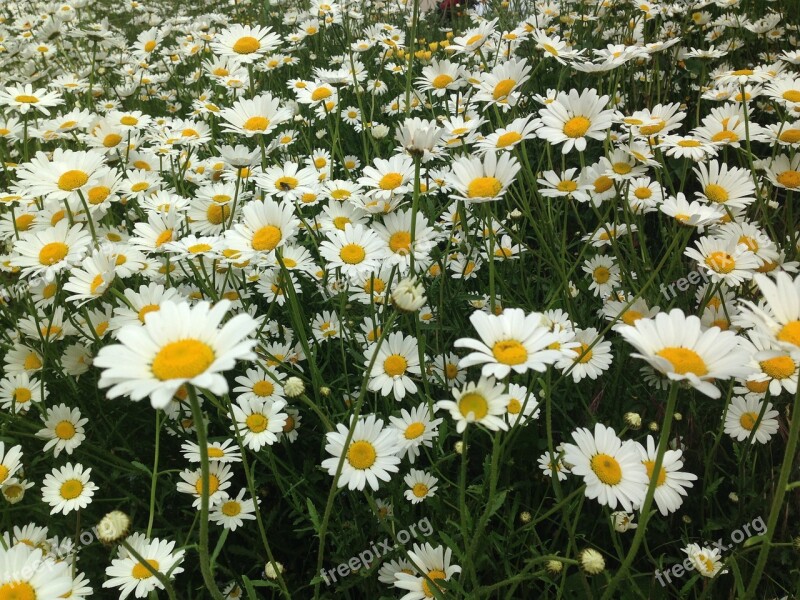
(375, 551)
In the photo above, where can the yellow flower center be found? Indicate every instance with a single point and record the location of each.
(213, 485)
(97, 282)
(503, 89)
(214, 452)
(26, 99)
(285, 184)
(111, 140)
(231, 508)
(19, 590)
(257, 422)
(790, 333)
(3, 473)
(510, 352)
(25, 221)
(400, 242)
(52, 253)
(789, 179)
(689, 143)
(72, 180)
(147, 309)
(484, 187)
(32, 362)
(289, 424)
(473, 403)
(257, 123)
(654, 128)
(507, 139)
(662, 473)
(22, 395)
(622, 168)
(748, 420)
(414, 430)
(263, 388)
(602, 184)
(586, 357)
(780, 367)
(751, 243)
(395, 365)
(725, 135)
(341, 222)
(71, 489)
(606, 468)
(361, 455)
(716, 193)
(514, 406)
(98, 194)
(420, 490)
(139, 571)
(217, 213)
(65, 430)
(643, 193)
(720, 262)
(183, 359)
(577, 127)
(684, 360)
(129, 120)
(140, 187)
(164, 237)
(567, 186)
(150, 45)
(441, 81)
(790, 136)
(601, 274)
(320, 94)
(352, 254)
(198, 248)
(631, 316)
(390, 181)
(246, 45)
(266, 238)
(434, 575)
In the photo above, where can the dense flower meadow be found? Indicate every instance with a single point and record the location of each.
(378, 299)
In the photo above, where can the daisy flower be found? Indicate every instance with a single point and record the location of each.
(671, 482)
(219, 476)
(395, 231)
(522, 405)
(394, 361)
(587, 362)
(371, 453)
(612, 470)
(508, 137)
(64, 176)
(771, 364)
(223, 452)
(9, 461)
(501, 86)
(23, 98)
(140, 304)
(68, 488)
(726, 186)
(434, 562)
(266, 225)
(233, 512)
(178, 344)
(724, 260)
(441, 77)
(388, 178)
(421, 485)
(356, 251)
(708, 562)
(258, 421)
(604, 273)
(476, 180)
(618, 311)
(254, 116)
(694, 214)
(573, 117)
(784, 172)
(260, 383)
(416, 428)
(26, 573)
(779, 319)
(564, 185)
(245, 43)
(131, 576)
(19, 391)
(741, 418)
(675, 345)
(50, 251)
(63, 429)
(509, 341)
(92, 279)
(483, 402)
(548, 465)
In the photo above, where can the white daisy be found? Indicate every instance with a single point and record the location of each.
(68, 488)
(483, 402)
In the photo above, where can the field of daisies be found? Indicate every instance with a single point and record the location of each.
(381, 299)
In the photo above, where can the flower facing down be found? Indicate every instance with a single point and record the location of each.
(178, 344)
(707, 562)
(371, 453)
